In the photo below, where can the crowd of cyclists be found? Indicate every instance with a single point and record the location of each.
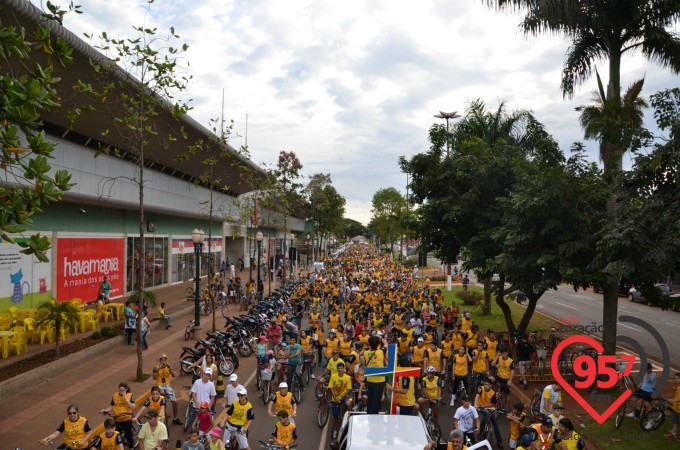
(336, 323)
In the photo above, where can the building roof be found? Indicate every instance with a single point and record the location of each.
(161, 154)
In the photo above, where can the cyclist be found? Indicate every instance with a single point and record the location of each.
(340, 385)
(431, 390)
(434, 357)
(516, 418)
(75, 428)
(406, 396)
(329, 345)
(283, 401)
(552, 394)
(418, 356)
(332, 364)
(122, 406)
(570, 439)
(109, 439)
(163, 374)
(484, 402)
(203, 390)
(644, 393)
(215, 442)
(480, 365)
(193, 443)
(505, 370)
(153, 435)
(466, 419)
(238, 419)
(203, 420)
(294, 362)
(155, 401)
(461, 360)
(284, 433)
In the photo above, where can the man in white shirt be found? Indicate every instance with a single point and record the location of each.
(466, 419)
(203, 390)
(551, 395)
(231, 391)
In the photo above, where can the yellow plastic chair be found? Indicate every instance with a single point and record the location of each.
(30, 329)
(13, 312)
(5, 324)
(5, 315)
(93, 321)
(18, 329)
(19, 342)
(42, 332)
(105, 314)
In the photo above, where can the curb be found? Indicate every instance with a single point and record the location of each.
(43, 373)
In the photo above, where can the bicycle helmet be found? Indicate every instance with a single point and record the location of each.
(431, 369)
(526, 440)
(332, 331)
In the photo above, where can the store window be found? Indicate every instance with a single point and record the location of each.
(156, 257)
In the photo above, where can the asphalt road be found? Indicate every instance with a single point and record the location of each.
(585, 307)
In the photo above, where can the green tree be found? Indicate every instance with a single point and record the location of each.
(605, 30)
(136, 85)
(352, 228)
(28, 90)
(326, 207)
(58, 315)
(389, 207)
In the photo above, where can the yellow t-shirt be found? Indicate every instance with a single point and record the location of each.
(447, 348)
(504, 367)
(284, 433)
(516, 427)
(345, 347)
(332, 365)
(339, 386)
(121, 411)
(461, 365)
(163, 376)
(404, 346)
(676, 405)
(457, 340)
(333, 320)
(75, 431)
(491, 347)
(330, 345)
(485, 398)
(283, 402)
(240, 414)
(418, 354)
(434, 358)
(409, 398)
(306, 344)
(431, 387)
(375, 359)
(479, 365)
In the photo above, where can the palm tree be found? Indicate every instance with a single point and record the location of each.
(57, 314)
(605, 30)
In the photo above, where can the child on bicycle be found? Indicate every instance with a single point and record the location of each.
(203, 420)
(215, 442)
(109, 438)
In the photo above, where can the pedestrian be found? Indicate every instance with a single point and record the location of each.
(164, 317)
(375, 358)
(231, 391)
(223, 269)
(466, 283)
(466, 419)
(146, 329)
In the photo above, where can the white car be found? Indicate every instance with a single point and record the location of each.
(316, 267)
(636, 296)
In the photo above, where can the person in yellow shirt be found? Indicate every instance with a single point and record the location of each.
(461, 361)
(75, 428)
(345, 346)
(332, 364)
(432, 392)
(457, 338)
(284, 433)
(283, 401)
(238, 419)
(479, 365)
(333, 319)
(109, 439)
(340, 385)
(434, 357)
(466, 322)
(332, 343)
(485, 402)
(374, 357)
(122, 406)
(517, 417)
(571, 440)
(505, 369)
(676, 408)
(418, 356)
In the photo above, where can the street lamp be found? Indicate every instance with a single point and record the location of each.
(198, 236)
(292, 238)
(447, 116)
(258, 238)
(310, 245)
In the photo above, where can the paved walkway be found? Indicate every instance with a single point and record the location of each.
(34, 413)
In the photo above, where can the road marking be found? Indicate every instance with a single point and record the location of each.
(628, 326)
(324, 433)
(567, 306)
(672, 324)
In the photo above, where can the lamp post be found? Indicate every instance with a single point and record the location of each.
(198, 236)
(292, 268)
(258, 238)
(311, 244)
(447, 116)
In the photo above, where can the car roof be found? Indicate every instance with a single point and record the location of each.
(396, 432)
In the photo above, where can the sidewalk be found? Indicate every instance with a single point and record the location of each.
(33, 413)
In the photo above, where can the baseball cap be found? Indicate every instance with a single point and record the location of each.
(283, 385)
(547, 421)
(242, 391)
(205, 405)
(233, 377)
(207, 371)
(421, 340)
(379, 333)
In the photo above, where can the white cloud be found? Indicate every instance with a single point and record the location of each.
(349, 86)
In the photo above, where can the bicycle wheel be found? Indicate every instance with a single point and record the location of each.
(135, 434)
(434, 429)
(535, 408)
(295, 389)
(265, 391)
(651, 420)
(190, 292)
(225, 311)
(188, 332)
(306, 375)
(322, 413)
(620, 415)
(258, 379)
(206, 309)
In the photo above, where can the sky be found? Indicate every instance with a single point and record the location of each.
(351, 85)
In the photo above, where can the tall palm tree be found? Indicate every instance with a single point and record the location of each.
(57, 314)
(605, 30)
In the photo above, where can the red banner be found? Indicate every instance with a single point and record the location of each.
(83, 262)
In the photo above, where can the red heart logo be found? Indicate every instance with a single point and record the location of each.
(599, 418)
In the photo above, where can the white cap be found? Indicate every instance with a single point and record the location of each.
(283, 385)
(332, 330)
(207, 371)
(421, 340)
(242, 391)
(379, 333)
(233, 377)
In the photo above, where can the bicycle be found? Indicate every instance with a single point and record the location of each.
(501, 395)
(272, 446)
(432, 424)
(308, 367)
(535, 406)
(266, 380)
(189, 331)
(70, 445)
(190, 407)
(488, 432)
(650, 419)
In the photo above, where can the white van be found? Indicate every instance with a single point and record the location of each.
(361, 431)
